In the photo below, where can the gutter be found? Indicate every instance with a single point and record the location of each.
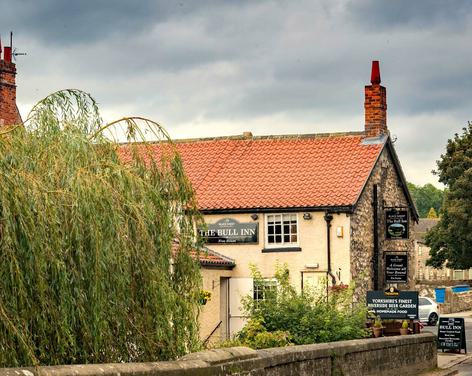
(332, 209)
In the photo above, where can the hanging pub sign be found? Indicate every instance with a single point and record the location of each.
(393, 304)
(451, 334)
(230, 231)
(396, 268)
(396, 222)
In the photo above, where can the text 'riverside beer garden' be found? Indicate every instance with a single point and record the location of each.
(401, 305)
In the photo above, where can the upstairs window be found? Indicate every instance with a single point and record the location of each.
(281, 229)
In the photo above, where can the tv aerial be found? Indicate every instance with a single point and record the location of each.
(14, 51)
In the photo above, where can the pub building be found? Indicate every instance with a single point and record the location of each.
(334, 207)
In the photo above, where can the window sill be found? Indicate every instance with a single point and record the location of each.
(281, 249)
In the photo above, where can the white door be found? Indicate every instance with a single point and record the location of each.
(238, 288)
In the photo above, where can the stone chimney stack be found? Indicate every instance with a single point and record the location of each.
(9, 114)
(375, 105)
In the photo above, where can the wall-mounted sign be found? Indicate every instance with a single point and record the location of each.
(396, 222)
(393, 304)
(230, 231)
(451, 334)
(396, 268)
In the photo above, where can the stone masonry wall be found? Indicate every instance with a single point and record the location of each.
(387, 356)
(390, 194)
(456, 301)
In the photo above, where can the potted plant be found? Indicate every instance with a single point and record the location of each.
(377, 329)
(404, 328)
(204, 296)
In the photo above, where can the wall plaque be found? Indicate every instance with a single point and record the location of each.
(396, 268)
(393, 304)
(230, 231)
(396, 222)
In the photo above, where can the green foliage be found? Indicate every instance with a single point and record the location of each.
(432, 213)
(426, 197)
(378, 322)
(308, 317)
(451, 238)
(405, 324)
(87, 242)
(255, 335)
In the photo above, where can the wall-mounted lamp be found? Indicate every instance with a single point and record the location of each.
(306, 216)
(254, 217)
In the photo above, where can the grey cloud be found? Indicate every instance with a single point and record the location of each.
(418, 14)
(243, 62)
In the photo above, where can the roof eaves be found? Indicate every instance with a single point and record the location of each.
(227, 261)
(332, 208)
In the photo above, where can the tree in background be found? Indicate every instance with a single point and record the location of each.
(451, 239)
(94, 253)
(432, 214)
(426, 197)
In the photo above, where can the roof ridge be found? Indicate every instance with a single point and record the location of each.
(271, 137)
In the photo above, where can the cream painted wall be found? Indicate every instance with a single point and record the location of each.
(312, 240)
(210, 314)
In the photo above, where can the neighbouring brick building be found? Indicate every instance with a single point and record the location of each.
(334, 207)
(9, 113)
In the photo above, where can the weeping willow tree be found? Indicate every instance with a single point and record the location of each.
(94, 239)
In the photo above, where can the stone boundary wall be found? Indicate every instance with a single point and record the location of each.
(387, 356)
(456, 301)
(427, 287)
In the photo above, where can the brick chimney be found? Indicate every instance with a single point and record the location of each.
(375, 105)
(9, 113)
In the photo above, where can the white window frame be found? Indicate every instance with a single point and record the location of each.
(270, 283)
(282, 244)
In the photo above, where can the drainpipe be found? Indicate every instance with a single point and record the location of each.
(375, 257)
(328, 218)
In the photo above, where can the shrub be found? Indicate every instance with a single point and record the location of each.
(255, 335)
(309, 316)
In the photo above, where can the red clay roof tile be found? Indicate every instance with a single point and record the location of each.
(278, 172)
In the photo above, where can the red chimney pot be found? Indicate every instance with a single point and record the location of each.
(7, 53)
(375, 75)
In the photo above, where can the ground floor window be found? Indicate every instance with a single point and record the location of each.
(264, 289)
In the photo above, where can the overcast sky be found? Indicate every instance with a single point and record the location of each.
(212, 68)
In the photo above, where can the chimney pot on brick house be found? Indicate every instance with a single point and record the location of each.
(9, 114)
(375, 105)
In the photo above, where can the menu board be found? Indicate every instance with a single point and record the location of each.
(451, 334)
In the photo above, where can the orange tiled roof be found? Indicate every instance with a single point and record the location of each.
(208, 257)
(278, 172)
